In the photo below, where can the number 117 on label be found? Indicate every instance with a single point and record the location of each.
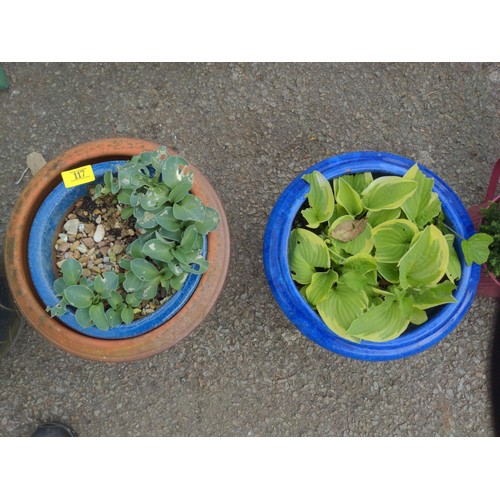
(77, 176)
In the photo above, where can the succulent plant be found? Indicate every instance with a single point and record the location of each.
(153, 188)
(96, 302)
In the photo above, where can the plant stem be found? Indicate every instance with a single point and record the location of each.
(454, 232)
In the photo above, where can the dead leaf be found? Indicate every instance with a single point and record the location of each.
(35, 162)
(348, 230)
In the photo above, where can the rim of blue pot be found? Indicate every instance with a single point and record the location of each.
(40, 256)
(305, 319)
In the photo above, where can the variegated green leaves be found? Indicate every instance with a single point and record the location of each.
(306, 252)
(341, 307)
(392, 239)
(374, 258)
(426, 261)
(320, 199)
(424, 205)
(388, 192)
(381, 322)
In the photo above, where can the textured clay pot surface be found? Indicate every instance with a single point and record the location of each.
(32, 308)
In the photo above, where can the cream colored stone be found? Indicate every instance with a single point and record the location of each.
(99, 233)
(71, 226)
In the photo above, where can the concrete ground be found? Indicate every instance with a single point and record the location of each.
(251, 128)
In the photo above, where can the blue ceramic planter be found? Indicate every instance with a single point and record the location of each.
(40, 254)
(443, 320)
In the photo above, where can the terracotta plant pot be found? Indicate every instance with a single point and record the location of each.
(29, 303)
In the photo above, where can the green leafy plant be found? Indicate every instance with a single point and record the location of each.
(96, 302)
(491, 226)
(373, 255)
(154, 188)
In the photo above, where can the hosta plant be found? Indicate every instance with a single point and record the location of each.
(154, 189)
(372, 255)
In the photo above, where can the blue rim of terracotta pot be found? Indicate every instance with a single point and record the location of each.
(40, 255)
(295, 307)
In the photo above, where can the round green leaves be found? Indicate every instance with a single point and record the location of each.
(154, 191)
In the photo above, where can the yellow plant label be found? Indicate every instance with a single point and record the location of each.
(77, 176)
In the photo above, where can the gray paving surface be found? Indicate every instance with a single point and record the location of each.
(251, 128)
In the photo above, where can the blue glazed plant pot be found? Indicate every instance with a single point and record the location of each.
(42, 237)
(444, 318)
